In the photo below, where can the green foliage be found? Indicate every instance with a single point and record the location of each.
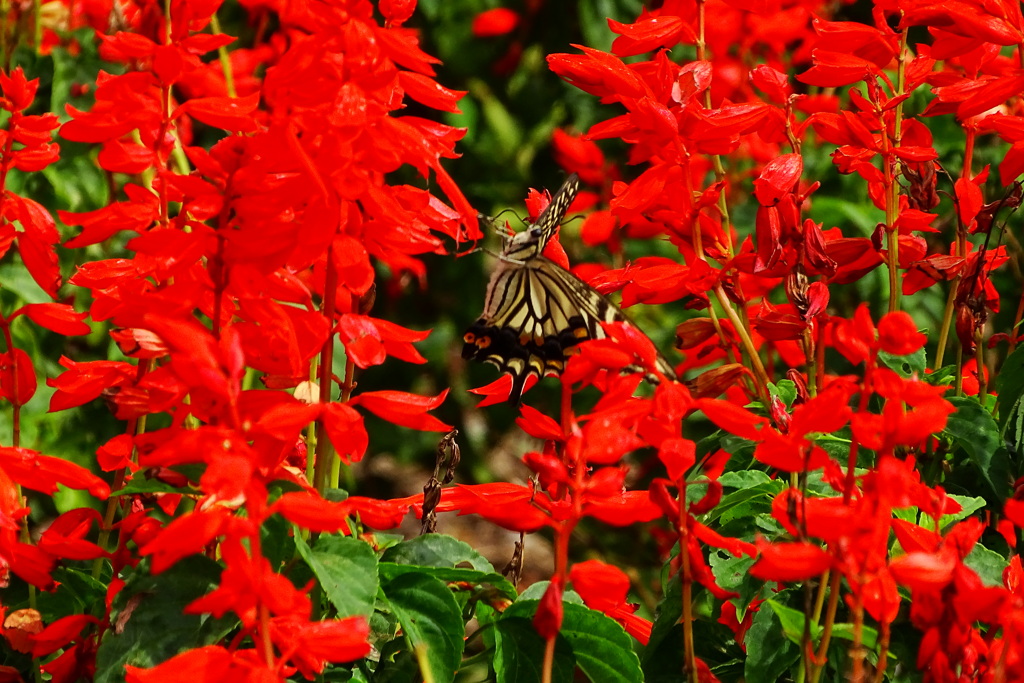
(431, 621)
(588, 640)
(769, 653)
(149, 605)
(973, 429)
(906, 366)
(346, 570)
(1010, 385)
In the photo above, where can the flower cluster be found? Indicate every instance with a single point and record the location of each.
(814, 471)
(251, 257)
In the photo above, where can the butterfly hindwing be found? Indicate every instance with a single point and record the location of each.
(536, 316)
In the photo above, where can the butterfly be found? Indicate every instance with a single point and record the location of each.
(535, 312)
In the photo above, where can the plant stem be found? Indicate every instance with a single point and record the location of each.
(37, 26)
(857, 649)
(979, 362)
(347, 385)
(5, 11)
(716, 160)
(748, 345)
(134, 428)
(810, 353)
(222, 57)
(947, 321)
(892, 201)
(549, 660)
(883, 652)
(324, 450)
(958, 383)
(686, 578)
(826, 634)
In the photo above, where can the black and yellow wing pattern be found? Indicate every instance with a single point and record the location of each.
(535, 311)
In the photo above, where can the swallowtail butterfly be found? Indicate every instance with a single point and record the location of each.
(535, 311)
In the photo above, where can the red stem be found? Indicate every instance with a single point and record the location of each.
(686, 577)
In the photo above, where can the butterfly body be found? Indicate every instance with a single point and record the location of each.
(535, 311)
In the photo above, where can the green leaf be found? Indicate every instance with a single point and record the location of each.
(519, 653)
(389, 571)
(1010, 382)
(77, 593)
(769, 653)
(943, 376)
(401, 669)
(431, 621)
(336, 674)
(149, 626)
(593, 22)
(737, 446)
(974, 430)
(905, 366)
(868, 635)
(987, 564)
(746, 502)
(664, 643)
(792, 621)
(1013, 429)
(142, 485)
(785, 390)
(603, 649)
(347, 571)
(968, 506)
(836, 445)
(743, 479)
(277, 543)
(663, 662)
(536, 592)
(732, 574)
(1010, 387)
(599, 645)
(436, 550)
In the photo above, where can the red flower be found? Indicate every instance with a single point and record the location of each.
(789, 562)
(494, 22)
(548, 619)
(778, 178)
(407, 410)
(847, 52)
(603, 587)
(211, 661)
(924, 571)
(898, 335)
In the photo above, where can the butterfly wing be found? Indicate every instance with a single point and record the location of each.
(536, 313)
(554, 212)
(531, 242)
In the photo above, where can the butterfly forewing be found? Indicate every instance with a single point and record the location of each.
(552, 215)
(531, 242)
(536, 312)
